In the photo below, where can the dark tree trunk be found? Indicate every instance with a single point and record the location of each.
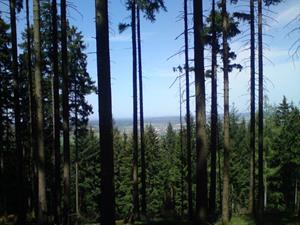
(252, 113)
(2, 207)
(107, 198)
(42, 202)
(260, 117)
(188, 114)
(66, 138)
(19, 148)
(181, 150)
(214, 118)
(226, 205)
(201, 137)
(31, 173)
(56, 118)
(143, 162)
(76, 154)
(135, 192)
(220, 180)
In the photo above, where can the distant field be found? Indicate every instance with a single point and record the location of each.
(159, 123)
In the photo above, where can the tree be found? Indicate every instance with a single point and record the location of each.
(188, 115)
(260, 117)
(6, 104)
(252, 109)
(42, 213)
(142, 141)
(135, 192)
(65, 103)
(31, 102)
(201, 137)
(55, 117)
(214, 116)
(19, 149)
(225, 208)
(107, 200)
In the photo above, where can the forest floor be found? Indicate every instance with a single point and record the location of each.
(269, 219)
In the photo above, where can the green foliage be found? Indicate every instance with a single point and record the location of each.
(283, 155)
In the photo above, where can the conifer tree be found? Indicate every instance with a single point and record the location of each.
(107, 200)
(42, 202)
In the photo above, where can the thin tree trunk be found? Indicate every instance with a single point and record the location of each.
(251, 206)
(107, 198)
(66, 134)
(76, 155)
(201, 137)
(260, 117)
(42, 202)
(296, 194)
(143, 162)
(135, 192)
(31, 111)
(1, 152)
(19, 148)
(214, 118)
(56, 118)
(181, 149)
(220, 180)
(226, 205)
(188, 114)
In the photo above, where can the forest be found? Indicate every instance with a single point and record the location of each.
(218, 167)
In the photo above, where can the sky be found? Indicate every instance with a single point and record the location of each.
(281, 70)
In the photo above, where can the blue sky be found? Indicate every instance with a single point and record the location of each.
(282, 73)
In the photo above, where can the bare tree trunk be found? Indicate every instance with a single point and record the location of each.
(260, 117)
(42, 202)
(135, 192)
(56, 118)
(33, 149)
(2, 208)
(220, 180)
(188, 114)
(76, 155)
(201, 137)
(107, 200)
(143, 162)
(181, 150)
(214, 118)
(66, 134)
(251, 206)
(19, 148)
(226, 182)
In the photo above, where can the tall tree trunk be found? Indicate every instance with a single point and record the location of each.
(220, 179)
(56, 118)
(201, 137)
(251, 206)
(188, 114)
(19, 148)
(135, 192)
(260, 117)
(143, 162)
(214, 118)
(181, 150)
(66, 138)
(42, 203)
(107, 200)
(76, 155)
(2, 208)
(31, 113)
(226, 205)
